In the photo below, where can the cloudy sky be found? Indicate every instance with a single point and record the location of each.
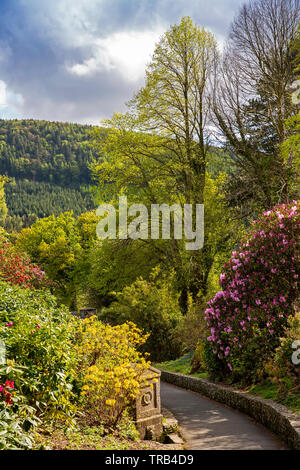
(81, 60)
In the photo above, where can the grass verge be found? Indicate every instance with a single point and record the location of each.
(181, 365)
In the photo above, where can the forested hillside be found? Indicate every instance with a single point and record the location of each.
(29, 200)
(46, 151)
(48, 166)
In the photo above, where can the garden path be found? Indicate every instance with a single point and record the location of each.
(208, 425)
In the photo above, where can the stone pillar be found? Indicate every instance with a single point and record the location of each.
(148, 408)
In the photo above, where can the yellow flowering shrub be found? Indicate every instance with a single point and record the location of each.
(111, 368)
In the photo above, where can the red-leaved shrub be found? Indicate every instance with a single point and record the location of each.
(17, 268)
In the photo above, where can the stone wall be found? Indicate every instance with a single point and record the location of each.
(276, 417)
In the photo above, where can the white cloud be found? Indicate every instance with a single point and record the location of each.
(66, 23)
(128, 52)
(9, 102)
(221, 40)
(87, 57)
(3, 94)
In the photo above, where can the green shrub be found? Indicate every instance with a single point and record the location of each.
(213, 365)
(198, 362)
(12, 433)
(126, 428)
(17, 418)
(192, 328)
(287, 372)
(153, 307)
(39, 336)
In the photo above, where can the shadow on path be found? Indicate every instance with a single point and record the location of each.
(207, 424)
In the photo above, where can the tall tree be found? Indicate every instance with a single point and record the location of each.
(3, 206)
(158, 149)
(54, 242)
(290, 148)
(252, 98)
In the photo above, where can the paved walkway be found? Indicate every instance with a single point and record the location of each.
(207, 424)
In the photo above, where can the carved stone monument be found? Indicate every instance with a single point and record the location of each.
(148, 408)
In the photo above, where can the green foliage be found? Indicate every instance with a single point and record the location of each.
(153, 306)
(213, 365)
(16, 267)
(114, 264)
(223, 231)
(64, 247)
(183, 365)
(126, 428)
(54, 243)
(45, 151)
(284, 366)
(290, 147)
(3, 206)
(290, 152)
(192, 329)
(51, 357)
(38, 335)
(48, 163)
(156, 152)
(14, 298)
(270, 390)
(30, 200)
(87, 437)
(14, 427)
(86, 225)
(252, 102)
(296, 49)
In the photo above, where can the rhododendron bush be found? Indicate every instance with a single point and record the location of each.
(37, 368)
(6, 391)
(17, 268)
(259, 286)
(16, 417)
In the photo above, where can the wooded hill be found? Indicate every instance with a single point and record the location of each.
(48, 166)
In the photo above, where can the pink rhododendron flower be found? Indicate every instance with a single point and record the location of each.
(262, 278)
